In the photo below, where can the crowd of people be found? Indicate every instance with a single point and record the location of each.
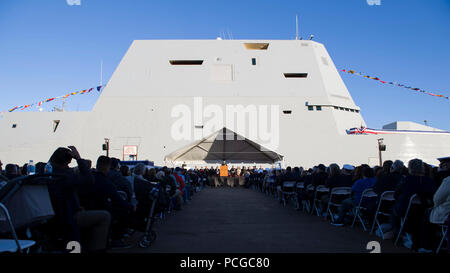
(100, 206)
(311, 190)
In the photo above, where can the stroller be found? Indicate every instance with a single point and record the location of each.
(149, 234)
(24, 203)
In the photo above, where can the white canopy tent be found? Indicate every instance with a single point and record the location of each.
(224, 145)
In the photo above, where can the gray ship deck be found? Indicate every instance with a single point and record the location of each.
(240, 220)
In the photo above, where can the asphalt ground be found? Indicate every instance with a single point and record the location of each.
(239, 220)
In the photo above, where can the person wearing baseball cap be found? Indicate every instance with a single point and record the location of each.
(444, 169)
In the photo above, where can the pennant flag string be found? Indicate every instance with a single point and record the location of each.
(56, 98)
(394, 83)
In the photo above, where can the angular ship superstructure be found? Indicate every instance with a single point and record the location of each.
(284, 98)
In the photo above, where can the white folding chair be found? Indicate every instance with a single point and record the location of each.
(316, 202)
(414, 200)
(387, 196)
(444, 230)
(366, 194)
(287, 191)
(299, 187)
(341, 192)
(14, 245)
(307, 203)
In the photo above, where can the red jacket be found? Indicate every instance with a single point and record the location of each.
(180, 182)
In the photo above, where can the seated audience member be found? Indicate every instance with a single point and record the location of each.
(414, 183)
(116, 177)
(333, 180)
(69, 216)
(338, 179)
(168, 184)
(142, 189)
(441, 200)
(11, 171)
(438, 214)
(357, 174)
(286, 177)
(151, 175)
(177, 196)
(358, 188)
(378, 171)
(125, 170)
(444, 170)
(385, 170)
(320, 176)
(40, 167)
(103, 195)
(389, 181)
(182, 183)
(348, 170)
(24, 169)
(297, 173)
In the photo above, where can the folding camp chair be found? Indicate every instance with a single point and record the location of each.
(387, 196)
(444, 230)
(287, 191)
(316, 202)
(413, 200)
(14, 245)
(366, 194)
(341, 192)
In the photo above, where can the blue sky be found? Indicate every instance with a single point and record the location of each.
(48, 48)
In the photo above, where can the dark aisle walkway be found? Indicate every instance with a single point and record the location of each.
(244, 220)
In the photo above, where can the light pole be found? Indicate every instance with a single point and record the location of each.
(106, 146)
(381, 148)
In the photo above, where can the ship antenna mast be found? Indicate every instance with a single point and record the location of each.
(296, 27)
